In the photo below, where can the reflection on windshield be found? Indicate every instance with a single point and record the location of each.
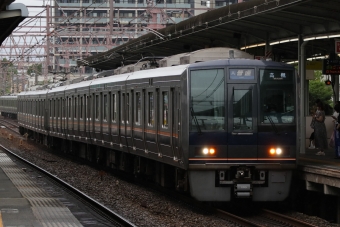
(207, 100)
(242, 110)
(277, 97)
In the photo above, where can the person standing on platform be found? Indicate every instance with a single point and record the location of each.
(336, 132)
(320, 133)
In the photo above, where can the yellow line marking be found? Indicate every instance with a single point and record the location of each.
(1, 225)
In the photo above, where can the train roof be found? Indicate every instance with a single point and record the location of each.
(37, 92)
(240, 62)
(8, 97)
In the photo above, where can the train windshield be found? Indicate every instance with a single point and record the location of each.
(277, 96)
(207, 100)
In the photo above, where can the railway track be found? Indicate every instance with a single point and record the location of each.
(100, 209)
(264, 218)
(10, 125)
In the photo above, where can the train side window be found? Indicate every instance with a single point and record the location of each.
(165, 109)
(114, 108)
(50, 106)
(75, 107)
(122, 114)
(69, 107)
(127, 108)
(151, 109)
(97, 108)
(106, 109)
(81, 107)
(138, 108)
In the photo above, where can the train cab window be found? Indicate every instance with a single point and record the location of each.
(151, 116)
(97, 108)
(138, 109)
(277, 96)
(106, 108)
(165, 109)
(207, 100)
(114, 108)
(242, 110)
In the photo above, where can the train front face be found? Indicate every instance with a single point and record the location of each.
(242, 133)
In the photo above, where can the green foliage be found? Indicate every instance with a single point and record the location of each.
(319, 90)
(9, 71)
(35, 68)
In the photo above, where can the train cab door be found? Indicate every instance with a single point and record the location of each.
(242, 122)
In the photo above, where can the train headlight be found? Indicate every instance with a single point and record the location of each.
(205, 150)
(209, 151)
(277, 151)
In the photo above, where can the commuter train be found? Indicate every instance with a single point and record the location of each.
(222, 130)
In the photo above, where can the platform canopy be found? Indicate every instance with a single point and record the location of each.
(256, 22)
(11, 14)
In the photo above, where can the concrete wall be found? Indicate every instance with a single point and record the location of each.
(329, 127)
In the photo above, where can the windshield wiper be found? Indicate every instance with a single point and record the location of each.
(195, 120)
(273, 124)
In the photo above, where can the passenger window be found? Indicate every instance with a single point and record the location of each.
(242, 110)
(69, 107)
(122, 108)
(151, 118)
(75, 107)
(81, 107)
(114, 107)
(138, 109)
(105, 108)
(97, 108)
(165, 109)
(127, 107)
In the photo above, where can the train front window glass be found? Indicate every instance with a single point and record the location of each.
(277, 96)
(207, 101)
(165, 109)
(138, 109)
(242, 110)
(151, 118)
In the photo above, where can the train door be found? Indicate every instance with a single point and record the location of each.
(138, 116)
(114, 117)
(151, 120)
(242, 121)
(175, 110)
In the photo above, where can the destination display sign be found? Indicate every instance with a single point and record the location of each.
(331, 67)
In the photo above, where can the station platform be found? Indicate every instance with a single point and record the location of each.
(310, 157)
(23, 203)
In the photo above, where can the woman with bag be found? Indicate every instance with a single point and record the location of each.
(320, 133)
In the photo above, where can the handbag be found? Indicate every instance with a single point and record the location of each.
(312, 124)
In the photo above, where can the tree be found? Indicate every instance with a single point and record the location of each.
(319, 90)
(35, 68)
(9, 71)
